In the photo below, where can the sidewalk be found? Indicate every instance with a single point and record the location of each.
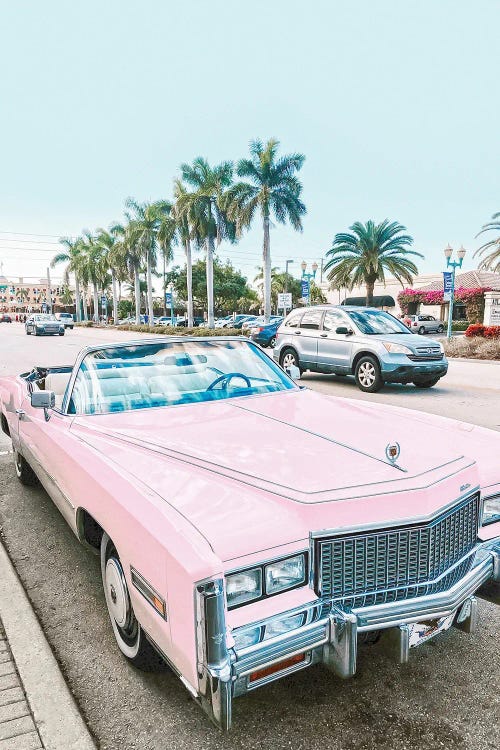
(37, 709)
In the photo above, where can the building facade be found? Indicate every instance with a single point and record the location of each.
(33, 296)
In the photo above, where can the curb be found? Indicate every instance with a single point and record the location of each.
(55, 712)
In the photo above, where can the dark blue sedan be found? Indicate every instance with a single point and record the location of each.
(263, 334)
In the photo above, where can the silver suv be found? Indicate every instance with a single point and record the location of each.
(370, 344)
(424, 324)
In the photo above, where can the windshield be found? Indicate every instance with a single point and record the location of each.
(376, 321)
(139, 376)
(45, 317)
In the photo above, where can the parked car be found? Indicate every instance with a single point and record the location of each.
(424, 324)
(44, 323)
(67, 319)
(265, 333)
(239, 564)
(370, 344)
(4, 318)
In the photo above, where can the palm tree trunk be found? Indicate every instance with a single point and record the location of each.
(115, 298)
(266, 265)
(84, 301)
(210, 280)
(77, 300)
(370, 285)
(137, 296)
(150, 288)
(189, 282)
(96, 302)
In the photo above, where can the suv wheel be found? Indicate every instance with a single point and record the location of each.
(421, 330)
(440, 329)
(272, 342)
(289, 358)
(367, 374)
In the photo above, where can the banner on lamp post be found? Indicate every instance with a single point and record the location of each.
(447, 285)
(305, 289)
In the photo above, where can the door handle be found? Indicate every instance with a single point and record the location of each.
(297, 333)
(324, 335)
(20, 413)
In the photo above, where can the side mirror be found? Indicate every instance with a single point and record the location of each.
(43, 399)
(343, 331)
(294, 372)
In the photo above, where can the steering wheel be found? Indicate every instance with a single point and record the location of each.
(226, 379)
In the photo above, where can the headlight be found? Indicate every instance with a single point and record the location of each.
(247, 638)
(491, 512)
(265, 580)
(278, 627)
(396, 348)
(243, 587)
(285, 574)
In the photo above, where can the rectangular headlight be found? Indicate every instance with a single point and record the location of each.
(278, 627)
(243, 587)
(247, 638)
(285, 574)
(491, 510)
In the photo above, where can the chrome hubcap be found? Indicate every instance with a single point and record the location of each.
(117, 593)
(288, 360)
(367, 374)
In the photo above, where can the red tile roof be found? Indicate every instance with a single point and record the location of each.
(467, 280)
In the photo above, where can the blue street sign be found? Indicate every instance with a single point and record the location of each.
(45, 307)
(305, 288)
(168, 298)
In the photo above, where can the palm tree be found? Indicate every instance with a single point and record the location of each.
(114, 259)
(492, 260)
(93, 268)
(145, 228)
(204, 212)
(363, 255)
(67, 297)
(183, 232)
(72, 256)
(273, 188)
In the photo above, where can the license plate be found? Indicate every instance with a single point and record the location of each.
(420, 632)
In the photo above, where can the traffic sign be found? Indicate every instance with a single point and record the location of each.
(305, 289)
(168, 298)
(284, 300)
(104, 301)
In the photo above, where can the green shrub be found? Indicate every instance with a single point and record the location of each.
(180, 331)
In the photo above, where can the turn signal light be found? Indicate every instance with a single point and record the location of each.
(292, 661)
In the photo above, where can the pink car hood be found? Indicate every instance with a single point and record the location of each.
(285, 451)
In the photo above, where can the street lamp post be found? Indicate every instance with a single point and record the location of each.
(453, 264)
(171, 289)
(287, 263)
(308, 277)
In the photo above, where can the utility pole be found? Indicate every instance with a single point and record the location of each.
(49, 292)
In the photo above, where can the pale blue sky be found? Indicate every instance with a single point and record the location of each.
(394, 103)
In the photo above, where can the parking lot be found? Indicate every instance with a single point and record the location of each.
(446, 697)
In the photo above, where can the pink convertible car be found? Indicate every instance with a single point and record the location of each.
(249, 528)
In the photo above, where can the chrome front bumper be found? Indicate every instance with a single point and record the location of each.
(329, 634)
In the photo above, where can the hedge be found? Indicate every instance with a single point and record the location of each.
(167, 330)
(478, 330)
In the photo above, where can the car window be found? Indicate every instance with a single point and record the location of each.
(333, 319)
(311, 319)
(372, 322)
(121, 378)
(294, 320)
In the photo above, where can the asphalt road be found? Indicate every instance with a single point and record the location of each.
(446, 697)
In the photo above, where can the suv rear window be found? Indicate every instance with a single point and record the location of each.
(311, 319)
(294, 320)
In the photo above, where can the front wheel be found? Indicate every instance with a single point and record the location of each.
(272, 342)
(426, 383)
(421, 330)
(61, 333)
(24, 472)
(440, 329)
(126, 628)
(367, 375)
(289, 359)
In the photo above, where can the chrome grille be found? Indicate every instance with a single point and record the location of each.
(426, 357)
(373, 567)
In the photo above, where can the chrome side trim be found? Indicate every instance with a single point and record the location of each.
(148, 592)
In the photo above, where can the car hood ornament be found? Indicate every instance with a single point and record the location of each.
(392, 452)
